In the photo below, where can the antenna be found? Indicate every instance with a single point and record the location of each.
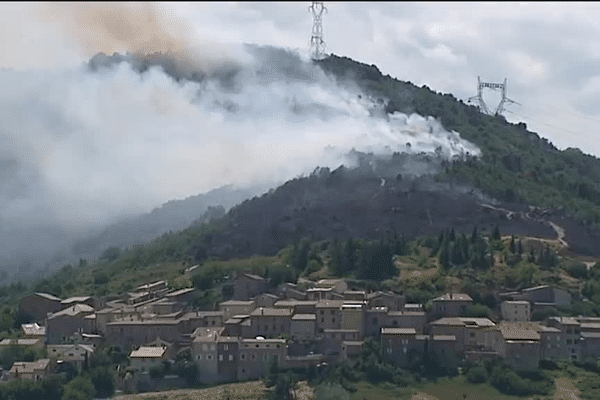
(317, 44)
(494, 86)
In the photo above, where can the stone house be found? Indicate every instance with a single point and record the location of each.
(76, 354)
(232, 308)
(39, 305)
(271, 322)
(146, 357)
(451, 305)
(401, 346)
(302, 327)
(63, 324)
(34, 371)
(329, 315)
(517, 310)
(406, 319)
(255, 356)
(246, 286)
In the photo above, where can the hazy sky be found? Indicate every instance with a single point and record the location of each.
(549, 52)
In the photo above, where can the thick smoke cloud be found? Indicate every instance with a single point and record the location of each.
(125, 133)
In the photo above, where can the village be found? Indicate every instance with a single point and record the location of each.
(308, 324)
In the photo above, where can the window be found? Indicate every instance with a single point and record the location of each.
(242, 356)
(333, 320)
(209, 357)
(243, 370)
(231, 357)
(225, 347)
(199, 357)
(254, 356)
(274, 328)
(322, 312)
(395, 323)
(213, 347)
(569, 330)
(404, 350)
(322, 320)
(220, 357)
(204, 347)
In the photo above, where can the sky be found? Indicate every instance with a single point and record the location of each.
(78, 146)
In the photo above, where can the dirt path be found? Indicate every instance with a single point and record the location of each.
(565, 390)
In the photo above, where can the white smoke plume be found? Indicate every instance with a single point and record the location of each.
(83, 145)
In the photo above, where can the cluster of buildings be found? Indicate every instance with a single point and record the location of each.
(299, 325)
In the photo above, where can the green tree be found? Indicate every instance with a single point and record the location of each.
(80, 388)
(103, 380)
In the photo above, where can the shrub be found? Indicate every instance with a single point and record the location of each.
(476, 374)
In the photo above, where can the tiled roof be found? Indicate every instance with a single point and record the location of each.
(271, 312)
(454, 297)
(73, 311)
(398, 331)
(48, 296)
(33, 329)
(79, 299)
(148, 352)
(304, 317)
(519, 331)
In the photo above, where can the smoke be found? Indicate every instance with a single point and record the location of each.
(126, 133)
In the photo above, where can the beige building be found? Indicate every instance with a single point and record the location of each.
(147, 357)
(205, 353)
(33, 331)
(75, 354)
(353, 318)
(34, 371)
(29, 343)
(519, 310)
(401, 346)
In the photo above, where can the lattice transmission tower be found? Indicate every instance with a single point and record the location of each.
(494, 86)
(317, 44)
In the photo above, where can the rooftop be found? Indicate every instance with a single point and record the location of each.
(398, 331)
(79, 299)
(519, 330)
(454, 297)
(148, 352)
(48, 296)
(33, 329)
(304, 317)
(271, 312)
(73, 311)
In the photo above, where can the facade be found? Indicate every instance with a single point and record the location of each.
(271, 322)
(246, 286)
(518, 310)
(34, 371)
(451, 305)
(328, 315)
(76, 354)
(401, 345)
(147, 357)
(39, 305)
(302, 327)
(255, 356)
(63, 324)
(231, 308)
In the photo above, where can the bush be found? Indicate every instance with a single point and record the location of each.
(331, 391)
(476, 374)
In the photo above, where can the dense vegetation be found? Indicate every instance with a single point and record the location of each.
(516, 165)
